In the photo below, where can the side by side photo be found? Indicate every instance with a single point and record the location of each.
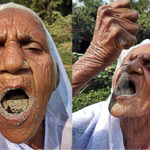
(74, 75)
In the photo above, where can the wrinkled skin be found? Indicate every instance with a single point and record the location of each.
(134, 110)
(22, 39)
(118, 22)
(123, 104)
(115, 29)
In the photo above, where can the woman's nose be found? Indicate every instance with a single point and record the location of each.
(12, 57)
(135, 66)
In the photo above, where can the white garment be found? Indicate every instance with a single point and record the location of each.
(91, 128)
(58, 128)
(94, 127)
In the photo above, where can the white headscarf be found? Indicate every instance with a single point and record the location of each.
(94, 127)
(114, 120)
(59, 109)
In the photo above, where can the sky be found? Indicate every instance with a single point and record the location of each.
(74, 1)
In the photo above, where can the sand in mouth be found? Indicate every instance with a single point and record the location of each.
(15, 101)
(15, 106)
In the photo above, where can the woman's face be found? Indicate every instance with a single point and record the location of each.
(131, 93)
(26, 74)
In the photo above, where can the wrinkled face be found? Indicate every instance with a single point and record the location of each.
(131, 94)
(26, 74)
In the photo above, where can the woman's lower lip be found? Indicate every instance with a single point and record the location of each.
(16, 119)
(124, 99)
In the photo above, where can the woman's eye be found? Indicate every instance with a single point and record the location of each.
(1, 48)
(147, 66)
(124, 65)
(35, 49)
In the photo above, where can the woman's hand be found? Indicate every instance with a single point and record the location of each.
(115, 30)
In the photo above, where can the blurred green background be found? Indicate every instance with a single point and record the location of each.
(57, 17)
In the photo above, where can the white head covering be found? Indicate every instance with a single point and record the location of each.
(114, 123)
(124, 53)
(94, 127)
(59, 110)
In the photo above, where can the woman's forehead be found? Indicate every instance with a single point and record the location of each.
(142, 49)
(18, 13)
(20, 24)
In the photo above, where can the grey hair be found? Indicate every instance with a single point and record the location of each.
(14, 5)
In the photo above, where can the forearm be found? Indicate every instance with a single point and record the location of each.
(115, 30)
(83, 72)
(86, 68)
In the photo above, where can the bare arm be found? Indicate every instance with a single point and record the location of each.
(115, 30)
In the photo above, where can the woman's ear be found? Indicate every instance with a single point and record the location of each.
(56, 76)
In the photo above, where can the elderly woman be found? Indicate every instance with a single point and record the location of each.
(94, 127)
(28, 76)
(127, 123)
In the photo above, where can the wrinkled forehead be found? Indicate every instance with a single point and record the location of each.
(142, 49)
(23, 23)
(23, 16)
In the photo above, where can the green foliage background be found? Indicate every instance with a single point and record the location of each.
(84, 16)
(98, 89)
(57, 17)
(83, 23)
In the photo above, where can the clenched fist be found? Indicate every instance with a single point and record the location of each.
(115, 30)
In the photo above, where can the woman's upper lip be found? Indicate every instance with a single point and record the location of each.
(125, 85)
(9, 81)
(6, 90)
(27, 71)
(131, 76)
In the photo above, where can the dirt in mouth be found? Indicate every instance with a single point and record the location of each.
(125, 86)
(15, 101)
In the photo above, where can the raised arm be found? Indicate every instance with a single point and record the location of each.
(115, 30)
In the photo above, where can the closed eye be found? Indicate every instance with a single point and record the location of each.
(35, 49)
(147, 66)
(33, 46)
(1, 48)
(123, 65)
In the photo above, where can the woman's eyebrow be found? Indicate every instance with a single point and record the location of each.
(30, 36)
(146, 58)
(24, 37)
(3, 37)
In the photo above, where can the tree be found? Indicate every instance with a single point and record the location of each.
(83, 24)
(46, 9)
(143, 9)
(84, 21)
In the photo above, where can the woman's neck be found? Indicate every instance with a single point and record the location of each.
(136, 132)
(37, 141)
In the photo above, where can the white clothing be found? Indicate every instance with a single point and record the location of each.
(91, 128)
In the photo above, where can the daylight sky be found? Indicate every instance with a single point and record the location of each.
(74, 1)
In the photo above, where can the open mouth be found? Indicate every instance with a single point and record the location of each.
(14, 101)
(125, 86)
